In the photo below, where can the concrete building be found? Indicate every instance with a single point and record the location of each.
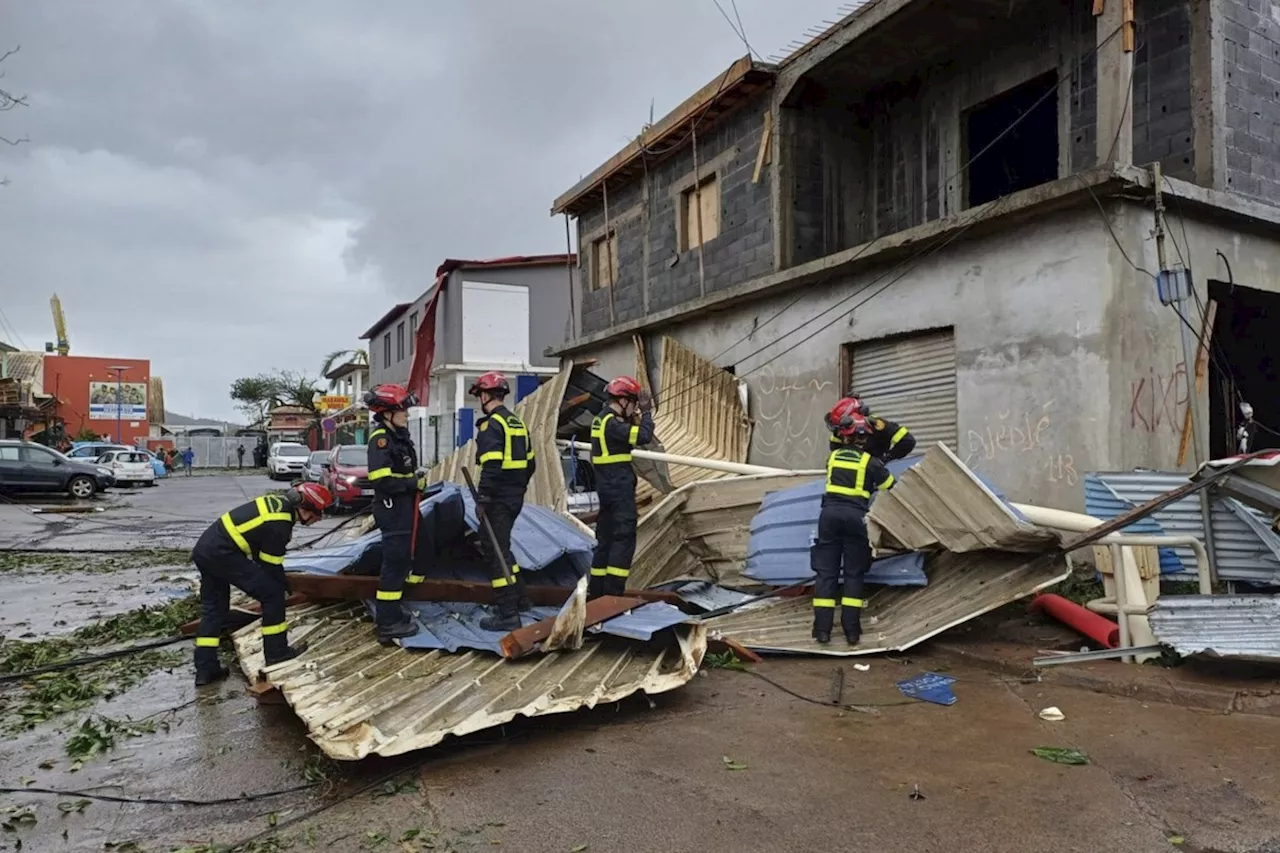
(949, 209)
(501, 314)
(108, 397)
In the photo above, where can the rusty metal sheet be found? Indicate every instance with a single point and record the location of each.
(359, 698)
(961, 587)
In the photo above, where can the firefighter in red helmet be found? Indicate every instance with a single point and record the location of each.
(625, 422)
(396, 480)
(245, 548)
(842, 555)
(888, 440)
(504, 452)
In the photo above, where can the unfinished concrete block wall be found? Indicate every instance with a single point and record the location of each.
(653, 273)
(828, 175)
(1162, 123)
(1251, 56)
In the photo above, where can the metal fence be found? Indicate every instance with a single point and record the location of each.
(217, 451)
(434, 437)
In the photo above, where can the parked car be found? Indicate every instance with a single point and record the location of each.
(29, 467)
(347, 465)
(89, 451)
(129, 466)
(287, 459)
(314, 470)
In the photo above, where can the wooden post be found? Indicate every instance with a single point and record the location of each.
(1201, 374)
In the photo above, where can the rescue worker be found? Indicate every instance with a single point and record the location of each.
(623, 424)
(396, 481)
(843, 552)
(245, 549)
(505, 455)
(889, 441)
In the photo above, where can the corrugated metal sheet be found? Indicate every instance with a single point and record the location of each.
(360, 698)
(1242, 626)
(643, 622)
(1242, 551)
(698, 412)
(939, 503)
(1102, 502)
(911, 379)
(961, 587)
(25, 366)
(454, 625)
(707, 595)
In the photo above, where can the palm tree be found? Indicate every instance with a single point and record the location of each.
(342, 356)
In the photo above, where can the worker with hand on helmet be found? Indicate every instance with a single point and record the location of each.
(245, 548)
(623, 424)
(843, 548)
(888, 440)
(397, 481)
(505, 455)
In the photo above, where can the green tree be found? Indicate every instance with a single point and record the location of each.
(254, 396)
(342, 356)
(257, 395)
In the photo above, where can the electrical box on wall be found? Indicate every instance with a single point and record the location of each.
(1173, 286)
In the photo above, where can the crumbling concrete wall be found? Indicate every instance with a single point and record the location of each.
(1251, 55)
(652, 273)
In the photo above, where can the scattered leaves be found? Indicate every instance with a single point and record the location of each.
(1060, 755)
(392, 788)
(73, 807)
(410, 834)
(18, 818)
(578, 848)
(1177, 840)
(723, 660)
(730, 764)
(93, 738)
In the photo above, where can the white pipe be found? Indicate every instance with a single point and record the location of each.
(696, 461)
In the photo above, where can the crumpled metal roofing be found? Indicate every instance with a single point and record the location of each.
(643, 622)
(940, 503)
(454, 625)
(961, 587)
(1245, 548)
(359, 698)
(1238, 626)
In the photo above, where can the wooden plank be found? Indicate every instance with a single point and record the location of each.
(365, 587)
(1202, 372)
(766, 137)
(575, 402)
(525, 640)
(1099, 7)
(241, 616)
(265, 693)
(1128, 31)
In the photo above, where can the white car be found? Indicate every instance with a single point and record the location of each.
(129, 466)
(287, 459)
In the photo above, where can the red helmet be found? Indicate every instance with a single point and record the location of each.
(623, 386)
(493, 382)
(860, 405)
(854, 426)
(389, 398)
(313, 496)
(844, 407)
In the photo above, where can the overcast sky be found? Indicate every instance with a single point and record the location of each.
(227, 187)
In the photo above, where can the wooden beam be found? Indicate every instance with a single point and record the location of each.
(365, 587)
(766, 138)
(1099, 6)
(241, 616)
(525, 640)
(1201, 374)
(574, 402)
(1129, 33)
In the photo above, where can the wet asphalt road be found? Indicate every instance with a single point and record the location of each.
(634, 778)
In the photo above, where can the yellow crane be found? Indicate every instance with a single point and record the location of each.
(60, 325)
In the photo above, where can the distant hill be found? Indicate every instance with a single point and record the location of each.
(175, 419)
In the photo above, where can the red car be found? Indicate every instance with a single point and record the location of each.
(346, 466)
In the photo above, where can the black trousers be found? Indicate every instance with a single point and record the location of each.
(840, 559)
(502, 513)
(615, 542)
(219, 571)
(394, 517)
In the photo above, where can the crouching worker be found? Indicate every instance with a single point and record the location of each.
(842, 554)
(245, 549)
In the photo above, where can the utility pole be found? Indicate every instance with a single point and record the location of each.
(1175, 289)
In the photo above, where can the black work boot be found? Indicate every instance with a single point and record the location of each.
(822, 637)
(595, 587)
(276, 649)
(851, 621)
(523, 604)
(504, 615)
(393, 622)
(209, 673)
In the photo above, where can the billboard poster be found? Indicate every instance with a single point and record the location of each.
(132, 405)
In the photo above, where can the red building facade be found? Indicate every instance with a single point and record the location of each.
(86, 389)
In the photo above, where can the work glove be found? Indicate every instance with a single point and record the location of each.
(645, 401)
(422, 478)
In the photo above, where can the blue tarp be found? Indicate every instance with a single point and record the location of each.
(454, 625)
(786, 525)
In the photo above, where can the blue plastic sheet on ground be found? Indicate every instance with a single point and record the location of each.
(930, 687)
(785, 526)
(454, 625)
(643, 622)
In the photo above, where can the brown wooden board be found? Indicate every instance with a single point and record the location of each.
(525, 640)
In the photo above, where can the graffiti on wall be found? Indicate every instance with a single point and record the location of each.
(1158, 399)
(789, 431)
(1022, 437)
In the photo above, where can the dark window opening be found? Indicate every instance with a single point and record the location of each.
(1024, 156)
(1243, 367)
(386, 350)
(400, 342)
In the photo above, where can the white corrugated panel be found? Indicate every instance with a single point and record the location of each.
(910, 380)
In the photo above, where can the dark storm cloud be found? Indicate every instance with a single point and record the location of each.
(229, 187)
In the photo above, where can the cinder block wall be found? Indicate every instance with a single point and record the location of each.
(1251, 55)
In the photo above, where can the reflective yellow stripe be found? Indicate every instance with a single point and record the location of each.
(270, 630)
(515, 568)
(824, 602)
(634, 435)
(836, 462)
(240, 541)
(898, 436)
(887, 484)
(515, 428)
(207, 642)
(499, 583)
(271, 558)
(604, 457)
(388, 595)
(617, 572)
(491, 456)
(852, 602)
(383, 473)
(414, 579)
(599, 573)
(377, 432)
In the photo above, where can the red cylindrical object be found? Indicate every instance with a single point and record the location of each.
(1098, 628)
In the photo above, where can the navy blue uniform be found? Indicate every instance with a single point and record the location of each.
(612, 439)
(393, 463)
(507, 463)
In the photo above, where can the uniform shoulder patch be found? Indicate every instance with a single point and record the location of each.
(484, 425)
(879, 423)
(382, 442)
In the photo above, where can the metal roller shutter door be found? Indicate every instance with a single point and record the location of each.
(910, 379)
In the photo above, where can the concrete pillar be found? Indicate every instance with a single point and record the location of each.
(1115, 88)
(1208, 94)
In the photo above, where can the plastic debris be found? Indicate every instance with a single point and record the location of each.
(862, 667)
(930, 687)
(1052, 714)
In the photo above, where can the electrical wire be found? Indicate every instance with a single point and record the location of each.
(737, 29)
(13, 330)
(90, 659)
(845, 706)
(160, 801)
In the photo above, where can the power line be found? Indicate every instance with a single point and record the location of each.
(13, 330)
(737, 29)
